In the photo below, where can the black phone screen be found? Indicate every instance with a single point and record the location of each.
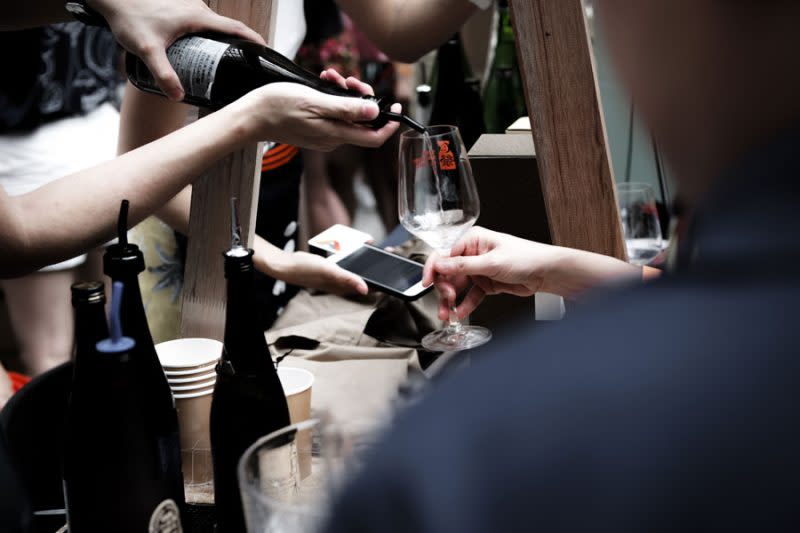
(383, 268)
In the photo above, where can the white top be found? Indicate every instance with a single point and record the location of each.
(290, 27)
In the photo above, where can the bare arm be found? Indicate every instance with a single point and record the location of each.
(408, 29)
(77, 212)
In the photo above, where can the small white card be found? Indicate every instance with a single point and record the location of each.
(339, 238)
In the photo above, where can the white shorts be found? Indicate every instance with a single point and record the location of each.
(33, 159)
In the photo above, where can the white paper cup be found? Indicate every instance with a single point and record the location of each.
(188, 354)
(194, 411)
(192, 378)
(296, 383)
(172, 373)
(193, 402)
(200, 385)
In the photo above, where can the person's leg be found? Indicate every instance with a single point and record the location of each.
(40, 310)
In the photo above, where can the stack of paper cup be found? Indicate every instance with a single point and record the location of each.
(189, 365)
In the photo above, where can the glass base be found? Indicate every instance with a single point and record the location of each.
(452, 340)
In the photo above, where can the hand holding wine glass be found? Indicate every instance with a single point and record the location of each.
(438, 202)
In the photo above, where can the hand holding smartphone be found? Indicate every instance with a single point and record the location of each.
(382, 270)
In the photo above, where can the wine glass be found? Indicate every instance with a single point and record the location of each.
(640, 225)
(438, 202)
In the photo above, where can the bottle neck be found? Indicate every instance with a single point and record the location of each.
(245, 345)
(132, 313)
(90, 328)
(505, 51)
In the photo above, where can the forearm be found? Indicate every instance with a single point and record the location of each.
(34, 231)
(408, 29)
(575, 271)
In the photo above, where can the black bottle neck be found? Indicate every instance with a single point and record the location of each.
(246, 350)
(90, 327)
(123, 263)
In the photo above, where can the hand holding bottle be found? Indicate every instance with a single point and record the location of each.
(301, 116)
(147, 27)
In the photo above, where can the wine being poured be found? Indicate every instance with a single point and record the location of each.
(438, 202)
(215, 70)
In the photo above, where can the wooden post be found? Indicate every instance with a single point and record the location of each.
(577, 180)
(203, 313)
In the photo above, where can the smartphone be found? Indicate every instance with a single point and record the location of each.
(384, 271)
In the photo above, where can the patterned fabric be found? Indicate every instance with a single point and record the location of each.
(59, 70)
(162, 281)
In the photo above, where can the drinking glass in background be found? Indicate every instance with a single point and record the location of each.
(438, 202)
(640, 225)
(278, 494)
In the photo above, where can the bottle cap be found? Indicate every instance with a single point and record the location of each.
(123, 259)
(116, 344)
(88, 292)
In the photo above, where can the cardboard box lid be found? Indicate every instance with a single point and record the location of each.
(503, 145)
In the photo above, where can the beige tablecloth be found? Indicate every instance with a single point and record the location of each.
(361, 352)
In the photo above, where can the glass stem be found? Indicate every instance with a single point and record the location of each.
(454, 325)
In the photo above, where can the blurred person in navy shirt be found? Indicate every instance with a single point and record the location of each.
(671, 405)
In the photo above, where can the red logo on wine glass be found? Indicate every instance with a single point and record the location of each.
(447, 161)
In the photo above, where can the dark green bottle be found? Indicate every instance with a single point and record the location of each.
(504, 100)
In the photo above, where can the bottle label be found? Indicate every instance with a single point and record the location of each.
(195, 60)
(166, 518)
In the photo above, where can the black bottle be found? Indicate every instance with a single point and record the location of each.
(123, 262)
(249, 401)
(215, 70)
(112, 478)
(456, 98)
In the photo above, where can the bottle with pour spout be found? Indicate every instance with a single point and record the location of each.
(249, 401)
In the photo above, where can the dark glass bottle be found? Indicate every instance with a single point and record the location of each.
(249, 401)
(123, 262)
(504, 99)
(457, 99)
(88, 301)
(111, 462)
(215, 70)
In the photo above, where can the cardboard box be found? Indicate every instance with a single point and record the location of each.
(507, 177)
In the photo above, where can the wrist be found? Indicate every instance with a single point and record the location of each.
(251, 118)
(272, 261)
(552, 272)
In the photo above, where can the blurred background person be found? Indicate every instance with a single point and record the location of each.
(57, 116)
(666, 406)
